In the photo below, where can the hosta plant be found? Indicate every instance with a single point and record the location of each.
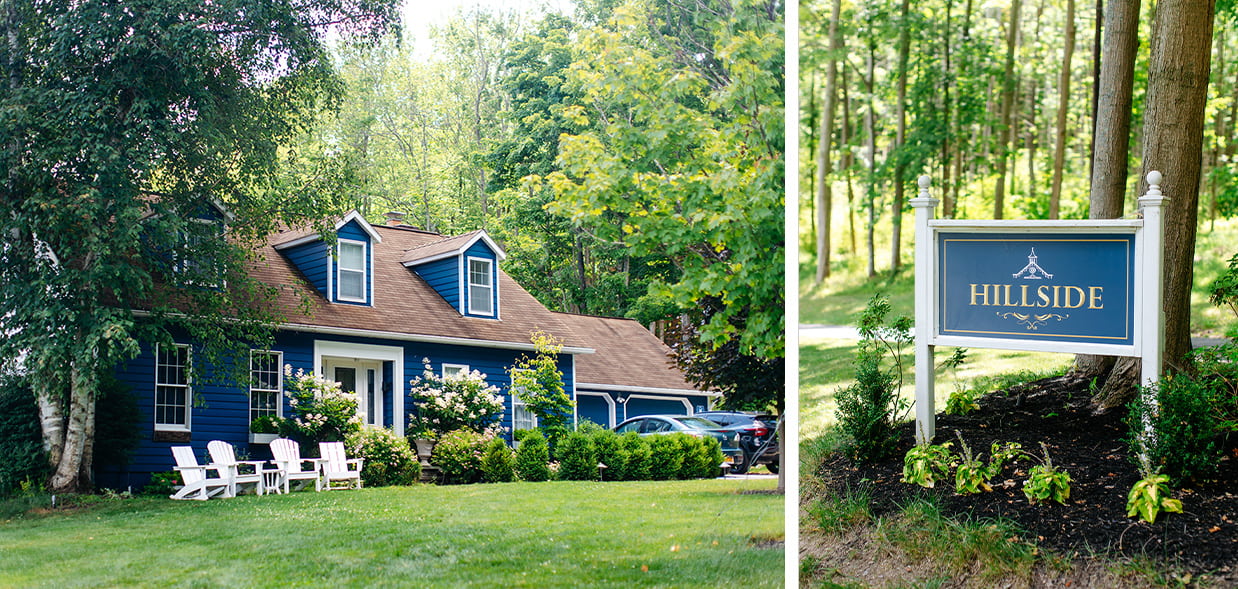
(925, 464)
(1046, 482)
(973, 476)
(1150, 496)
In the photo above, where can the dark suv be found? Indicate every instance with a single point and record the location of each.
(756, 430)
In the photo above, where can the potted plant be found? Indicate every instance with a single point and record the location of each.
(264, 429)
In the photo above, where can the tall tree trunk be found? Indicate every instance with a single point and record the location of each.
(825, 197)
(1033, 127)
(946, 145)
(845, 161)
(870, 129)
(1063, 104)
(900, 168)
(1004, 132)
(1096, 61)
(78, 427)
(1178, 73)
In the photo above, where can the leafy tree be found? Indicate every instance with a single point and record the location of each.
(120, 122)
(537, 381)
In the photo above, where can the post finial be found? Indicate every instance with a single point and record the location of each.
(924, 181)
(1154, 183)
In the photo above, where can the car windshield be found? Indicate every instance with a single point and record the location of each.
(698, 423)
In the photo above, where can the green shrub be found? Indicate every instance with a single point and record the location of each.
(925, 464)
(639, 456)
(702, 458)
(870, 407)
(388, 458)
(1184, 444)
(163, 483)
(320, 411)
(1046, 482)
(609, 451)
(533, 457)
(498, 465)
(21, 441)
(577, 459)
(666, 456)
(117, 433)
(458, 455)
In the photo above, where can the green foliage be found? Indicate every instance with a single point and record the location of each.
(388, 458)
(458, 455)
(703, 459)
(21, 444)
(748, 382)
(1150, 496)
(639, 454)
(962, 400)
(538, 383)
(838, 513)
(666, 456)
(973, 476)
(445, 404)
(681, 154)
(870, 407)
(266, 424)
(498, 465)
(162, 484)
(117, 429)
(1046, 482)
(1224, 290)
(1189, 412)
(577, 459)
(319, 410)
(925, 464)
(533, 457)
(609, 450)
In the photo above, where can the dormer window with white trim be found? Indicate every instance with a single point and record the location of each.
(481, 286)
(350, 271)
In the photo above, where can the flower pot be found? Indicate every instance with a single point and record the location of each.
(262, 438)
(424, 448)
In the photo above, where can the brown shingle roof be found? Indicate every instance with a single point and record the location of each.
(628, 355)
(438, 248)
(404, 305)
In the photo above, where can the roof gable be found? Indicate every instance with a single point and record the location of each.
(450, 248)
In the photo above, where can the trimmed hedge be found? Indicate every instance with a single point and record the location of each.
(388, 458)
(498, 464)
(533, 457)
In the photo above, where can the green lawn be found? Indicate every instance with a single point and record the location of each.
(702, 533)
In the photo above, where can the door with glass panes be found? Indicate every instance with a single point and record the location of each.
(363, 377)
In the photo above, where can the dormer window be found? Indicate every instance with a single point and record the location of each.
(481, 286)
(350, 271)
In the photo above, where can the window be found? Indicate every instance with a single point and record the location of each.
(196, 244)
(172, 392)
(481, 286)
(455, 370)
(522, 418)
(350, 271)
(265, 383)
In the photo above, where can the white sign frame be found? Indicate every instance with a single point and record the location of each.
(1149, 324)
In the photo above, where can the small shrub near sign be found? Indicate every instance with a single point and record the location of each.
(1149, 497)
(869, 408)
(1046, 482)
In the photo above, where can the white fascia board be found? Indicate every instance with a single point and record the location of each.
(300, 241)
(432, 339)
(353, 215)
(434, 258)
(499, 254)
(588, 386)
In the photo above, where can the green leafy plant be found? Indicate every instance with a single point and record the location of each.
(666, 456)
(869, 408)
(1181, 410)
(388, 458)
(266, 424)
(320, 410)
(973, 476)
(538, 383)
(639, 455)
(533, 457)
(702, 458)
(162, 483)
(577, 458)
(1046, 482)
(458, 455)
(962, 400)
(925, 464)
(446, 404)
(1150, 496)
(498, 465)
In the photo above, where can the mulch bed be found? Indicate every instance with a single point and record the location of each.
(1203, 539)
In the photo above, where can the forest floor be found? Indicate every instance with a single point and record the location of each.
(1089, 541)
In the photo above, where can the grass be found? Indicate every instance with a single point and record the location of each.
(557, 534)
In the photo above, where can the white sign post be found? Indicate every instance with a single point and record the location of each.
(1123, 318)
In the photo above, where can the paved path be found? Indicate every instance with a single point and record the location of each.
(811, 330)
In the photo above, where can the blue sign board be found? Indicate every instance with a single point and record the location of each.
(1076, 287)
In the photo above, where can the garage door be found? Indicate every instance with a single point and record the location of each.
(637, 406)
(593, 408)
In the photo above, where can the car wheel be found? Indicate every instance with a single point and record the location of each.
(773, 467)
(740, 467)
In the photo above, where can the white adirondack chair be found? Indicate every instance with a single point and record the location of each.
(292, 467)
(336, 467)
(236, 472)
(197, 484)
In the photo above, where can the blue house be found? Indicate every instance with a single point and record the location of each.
(382, 299)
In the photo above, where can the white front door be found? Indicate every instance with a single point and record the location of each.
(363, 377)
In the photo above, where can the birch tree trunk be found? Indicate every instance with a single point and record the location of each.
(900, 168)
(825, 195)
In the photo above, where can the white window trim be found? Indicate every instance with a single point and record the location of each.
(493, 286)
(394, 354)
(512, 393)
(365, 279)
(463, 368)
(172, 427)
(279, 387)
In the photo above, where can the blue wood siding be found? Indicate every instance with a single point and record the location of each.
(481, 250)
(595, 409)
(222, 411)
(311, 260)
(353, 231)
(444, 277)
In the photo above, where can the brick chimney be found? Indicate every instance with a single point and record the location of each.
(395, 218)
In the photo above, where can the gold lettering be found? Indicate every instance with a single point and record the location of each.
(1023, 297)
(1082, 298)
(1056, 290)
(1043, 294)
(984, 294)
(1008, 303)
(1094, 293)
